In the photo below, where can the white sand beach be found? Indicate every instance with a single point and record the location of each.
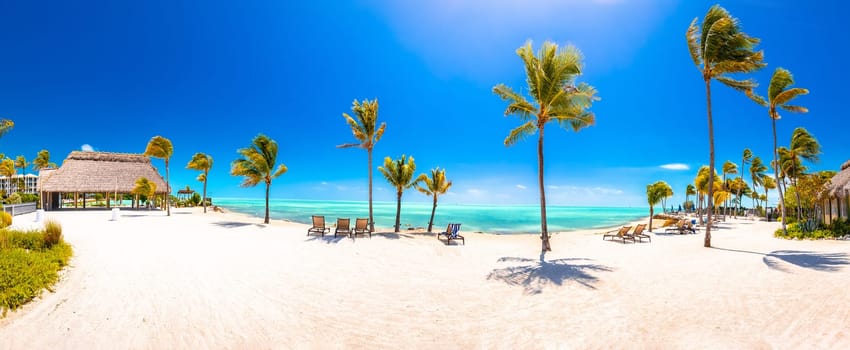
(217, 280)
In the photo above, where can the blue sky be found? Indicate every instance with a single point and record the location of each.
(210, 75)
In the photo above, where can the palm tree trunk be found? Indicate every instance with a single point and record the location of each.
(268, 185)
(544, 236)
(433, 210)
(776, 166)
(398, 212)
(371, 218)
(799, 204)
(204, 200)
(710, 199)
(650, 217)
(167, 189)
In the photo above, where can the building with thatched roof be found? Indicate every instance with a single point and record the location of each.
(838, 201)
(96, 172)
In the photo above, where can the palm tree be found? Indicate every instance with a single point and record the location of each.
(366, 131)
(434, 186)
(768, 183)
(757, 169)
(779, 94)
(690, 190)
(7, 168)
(144, 187)
(400, 173)
(42, 160)
(6, 125)
(21, 163)
(804, 146)
(656, 193)
(202, 162)
(718, 49)
(728, 168)
(258, 165)
(746, 158)
(551, 79)
(160, 147)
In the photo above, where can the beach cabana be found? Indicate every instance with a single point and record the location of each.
(110, 174)
(838, 201)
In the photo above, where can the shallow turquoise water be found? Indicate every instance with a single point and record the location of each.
(500, 219)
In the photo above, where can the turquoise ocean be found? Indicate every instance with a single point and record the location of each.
(498, 219)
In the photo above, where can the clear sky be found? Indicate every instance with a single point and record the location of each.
(210, 75)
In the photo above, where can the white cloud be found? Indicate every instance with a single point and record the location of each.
(87, 148)
(324, 183)
(521, 187)
(675, 166)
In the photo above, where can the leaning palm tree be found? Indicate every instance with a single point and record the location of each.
(655, 193)
(804, 146)
(718, 49)
(160, 147)
(258, 165)
(203, 163)
(757, 169)
(434, 186)
(42, 160)
(7, 168)
(728, 168)
(367, 132)
(779, 94)
(399, 173)
(551, 77)
(690, 190)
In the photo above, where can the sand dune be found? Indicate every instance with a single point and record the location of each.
(216, 280)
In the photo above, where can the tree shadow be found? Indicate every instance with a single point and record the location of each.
(328, 239)
(235, 224)
(533, 275)
(392, 235)
(826, 262)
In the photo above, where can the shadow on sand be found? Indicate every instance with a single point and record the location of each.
(235, 224)
(327, 238)
(826, 262)
(533, 275)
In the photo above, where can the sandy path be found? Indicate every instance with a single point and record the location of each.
(221, 281)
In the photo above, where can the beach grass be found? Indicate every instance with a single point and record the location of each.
(30, 262)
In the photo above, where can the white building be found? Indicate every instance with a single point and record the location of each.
(30, 183)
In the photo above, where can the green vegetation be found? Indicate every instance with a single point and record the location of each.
(42, 160)
(6, 125)
(810, 230)
(367, 132)
(258, 165)
(203, 163)
(551, 78)
(5, 219)
(435, 186)
(30, 262)
(160, 147)
(7, 168)
(656, 193)
(400, 173)
(718, 49)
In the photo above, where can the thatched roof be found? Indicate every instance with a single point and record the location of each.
(841, 181)
(100, 172)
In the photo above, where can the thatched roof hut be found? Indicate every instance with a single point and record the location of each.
(104, 172)
(840, 182)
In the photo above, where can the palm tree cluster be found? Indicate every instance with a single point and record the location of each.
(657, 193)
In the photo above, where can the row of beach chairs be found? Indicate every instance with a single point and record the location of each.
(683, 226)
(361, 227)
(623, 234)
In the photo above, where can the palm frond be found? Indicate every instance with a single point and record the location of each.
(517, 103)
(692, 36)
(520, 133)
(746, 86)
(787, 95)
(780, 81)
(795, 109)
(159, 147)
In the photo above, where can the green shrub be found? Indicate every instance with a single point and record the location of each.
(14, 198)
(28, 197)
(29, 240)
(28, 265)
(796, 232)
(52, 233)
(5, 219)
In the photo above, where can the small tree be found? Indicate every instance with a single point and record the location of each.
(399, 173)
(160, 147)
(654, 194)
(258, 165)
(435, 186)
(203, 163)
(144, 188)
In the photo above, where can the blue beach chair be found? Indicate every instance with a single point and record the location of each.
(451, 234)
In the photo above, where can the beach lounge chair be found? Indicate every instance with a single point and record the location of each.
(639, 235)
(679, 228)
(622, 233)
(451, 234)
(361, 227)
(318, 226)
(343, 227)
(689, 227)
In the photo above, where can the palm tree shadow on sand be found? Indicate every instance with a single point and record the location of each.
(533, 275)
(826, 262)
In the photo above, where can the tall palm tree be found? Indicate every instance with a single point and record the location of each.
(160, 147)
(728, 168)
(718, 49)
(6, 125)
(656, 193)
(434, 186)
(202, 162)
(21, 163)
(7, 168)
(746, 158)
(690, 190)
(367, 132)
(757, 169)
(42, 160)
(804, 146)
(779, 95)
(768, 183)
(399, 173)
(551, 77)
(258, 165)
